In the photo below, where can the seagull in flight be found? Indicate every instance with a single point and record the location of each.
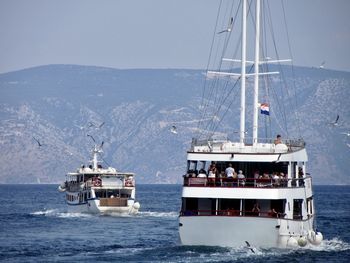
(80, 127)
(40, 144)
(99, 126)
(173, 129)
(335, 123)
(322, 65)
(229, 28)
(249, 246)
(91, 137)
(346, 133)
(91, 124)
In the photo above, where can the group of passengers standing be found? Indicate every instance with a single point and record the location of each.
(230, 175)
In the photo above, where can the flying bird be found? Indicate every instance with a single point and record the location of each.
(80, 127)
(335, 123)
(173, 129)
(322, 65)
(346, 133)
(37, 141)
(229, 28)
(91, 137)
(249, 246)
(91, 124)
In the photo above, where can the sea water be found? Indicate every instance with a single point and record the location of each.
(35, 227)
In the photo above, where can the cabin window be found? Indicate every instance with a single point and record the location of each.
(297, 209)
(190, 206)
(206, 206)
(192, 166)
(231, 206)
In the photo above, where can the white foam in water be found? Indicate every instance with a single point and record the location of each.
(334, 244)
(159, 214)
(58, 213)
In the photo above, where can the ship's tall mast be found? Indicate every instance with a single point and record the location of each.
(243, 72)
(256, 71)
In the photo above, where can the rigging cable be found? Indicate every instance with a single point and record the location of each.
(215, 84)
(293, 72)
(282, 109)
(209, 59)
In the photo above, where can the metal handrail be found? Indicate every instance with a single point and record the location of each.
(247, 182)
(291, 143)
(232, 212)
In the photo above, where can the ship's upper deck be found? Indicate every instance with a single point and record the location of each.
(264, 146)
(226, 150)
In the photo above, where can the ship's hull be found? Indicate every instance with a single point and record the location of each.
(229, 231)
(94, 207)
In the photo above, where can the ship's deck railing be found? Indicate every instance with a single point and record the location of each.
(232, 212)
(292, 144)
(249, 182)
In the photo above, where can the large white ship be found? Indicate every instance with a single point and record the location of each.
(252, 191)
(94, 189)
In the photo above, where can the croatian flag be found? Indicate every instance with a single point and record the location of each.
(264, 109)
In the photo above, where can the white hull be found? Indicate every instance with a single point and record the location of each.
(228, 231)
(93, 207)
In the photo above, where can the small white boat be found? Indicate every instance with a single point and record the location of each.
(273, 204)
(94, 189)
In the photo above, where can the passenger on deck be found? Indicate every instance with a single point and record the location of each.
(266, 176)
(229, 171)
(301, 176)
(278, 139)
(212, 173)
(256, 175)
(276, 179)
(202, 173)
(273, 213)
(300, 172)
(256, 209)
(241, 178)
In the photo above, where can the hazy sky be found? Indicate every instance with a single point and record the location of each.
(154, 33)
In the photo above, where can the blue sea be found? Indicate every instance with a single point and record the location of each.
(35, 227)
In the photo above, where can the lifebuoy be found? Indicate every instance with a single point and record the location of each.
(97, 182)
(129, 183)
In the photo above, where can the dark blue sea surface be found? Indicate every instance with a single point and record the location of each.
(35, 227)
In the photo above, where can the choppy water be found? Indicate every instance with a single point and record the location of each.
(35, 227)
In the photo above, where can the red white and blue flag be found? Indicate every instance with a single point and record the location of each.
(265, 109)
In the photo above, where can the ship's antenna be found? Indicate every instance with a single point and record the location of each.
(95, 151)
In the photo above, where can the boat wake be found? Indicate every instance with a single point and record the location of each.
(332, 245)
(59, 213)
(218, 254)
(159, 214)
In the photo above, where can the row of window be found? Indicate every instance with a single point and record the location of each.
(244, 207)
(82, 197)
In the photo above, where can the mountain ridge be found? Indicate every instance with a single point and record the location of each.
(54, 103)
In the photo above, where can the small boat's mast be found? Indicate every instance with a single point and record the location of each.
(256, 71)
(243, 72)
(94, 160)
